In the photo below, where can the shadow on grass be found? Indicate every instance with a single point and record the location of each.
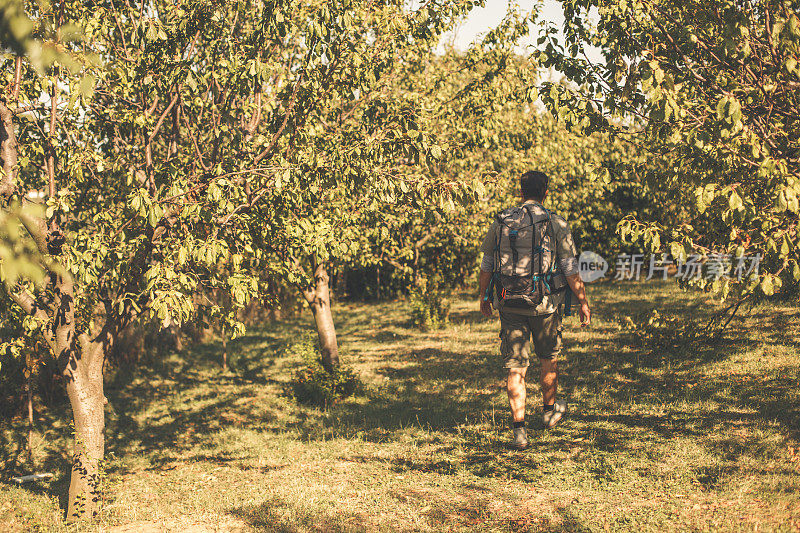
(446, 394)
(213, 399)
(425, 394)
(55, 460)
(279, 516)
(568, 523)
(432, 391)
(467, 317)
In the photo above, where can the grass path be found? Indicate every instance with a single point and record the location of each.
(673, 439)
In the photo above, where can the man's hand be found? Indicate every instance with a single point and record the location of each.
(585, 313)
(485, 279)
(576, 284)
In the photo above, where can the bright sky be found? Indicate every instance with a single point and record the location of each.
(481, 19)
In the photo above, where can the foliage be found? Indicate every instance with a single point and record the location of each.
(12, 363)
(708, 91)
(38, 45)
(416, 241)
(168, 179)
(18, 255)
(577, 165)
(430, 302)
(314, 385)
(662, 331)
(203, 148)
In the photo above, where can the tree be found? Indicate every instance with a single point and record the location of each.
(185, 149)
(708, 90)
(375, 149)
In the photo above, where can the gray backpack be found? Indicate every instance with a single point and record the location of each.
(525, 266)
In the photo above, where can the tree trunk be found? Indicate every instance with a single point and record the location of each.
(377, 282)
(318, 296)
(8, 151)
(80, 360)
(29, 391)
(85, 392)
(224, 350)
(274, 314)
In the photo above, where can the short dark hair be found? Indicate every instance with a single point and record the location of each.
(534, 185)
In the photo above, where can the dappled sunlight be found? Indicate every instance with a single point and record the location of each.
(425, 446)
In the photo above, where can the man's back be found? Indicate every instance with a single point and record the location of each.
(560, 255)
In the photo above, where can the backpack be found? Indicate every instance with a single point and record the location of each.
(525, 266)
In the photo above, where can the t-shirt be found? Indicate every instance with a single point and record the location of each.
(565, 256)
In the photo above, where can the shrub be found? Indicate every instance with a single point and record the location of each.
(655, 331)
(312, 384)
(430, 307)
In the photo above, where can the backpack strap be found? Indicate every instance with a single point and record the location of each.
(554, 256)
(553, 270)
(497, 243)
(536, 249)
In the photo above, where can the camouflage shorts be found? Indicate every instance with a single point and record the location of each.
(516, 332)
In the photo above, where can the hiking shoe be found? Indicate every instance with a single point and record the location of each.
(552, 418)
(520, 441)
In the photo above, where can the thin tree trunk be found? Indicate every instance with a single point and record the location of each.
(224, 350)
(177, 336)
(377, 282)
(274, 314)
(29, 391)
(318, 297)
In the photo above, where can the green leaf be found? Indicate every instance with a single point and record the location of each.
(678, 251)
(735, 201)
(766, 286)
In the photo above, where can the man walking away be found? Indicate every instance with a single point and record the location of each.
(528, 268)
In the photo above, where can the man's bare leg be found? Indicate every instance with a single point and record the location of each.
(516, 392)
(516, 398)
(554, 410)
(549, 377)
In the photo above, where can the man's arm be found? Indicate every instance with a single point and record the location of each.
(486, 305)
(576, 284)
(568, 262)
(487, 269)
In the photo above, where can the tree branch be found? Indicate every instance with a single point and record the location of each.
(37, 229)
(278, 133)
(17, 77)
(8, 151)
(26, 301)
(51, 157)
(162, 117)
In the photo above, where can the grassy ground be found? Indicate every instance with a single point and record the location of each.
(685, 437)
